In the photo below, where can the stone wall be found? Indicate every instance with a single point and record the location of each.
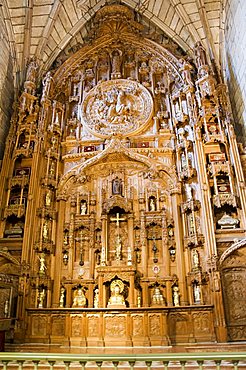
(6, 83)
(235, 45)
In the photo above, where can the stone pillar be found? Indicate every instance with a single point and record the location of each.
(59, 255)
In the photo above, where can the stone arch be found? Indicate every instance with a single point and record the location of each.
(236, 245)
(233, 271)
(184, 44)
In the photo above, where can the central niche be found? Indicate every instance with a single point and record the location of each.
(117, 106)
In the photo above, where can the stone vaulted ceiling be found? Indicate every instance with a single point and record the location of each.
(44, 28)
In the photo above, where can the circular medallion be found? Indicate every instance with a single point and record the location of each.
(117, 107)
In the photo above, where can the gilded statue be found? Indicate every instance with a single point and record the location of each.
(48, 198)
(96, 298)
(157, 298)
(83, 208)
(62, 297)
(116, 298)
(45, 230)
(197, 293)
(32, 71)
(79, 298)
(41, 298)
(195, 258)
(42, 266)
(117, 186)
(176, 295)
(152, 205)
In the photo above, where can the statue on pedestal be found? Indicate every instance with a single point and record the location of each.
(116, 298)
(41, 298)
(197, 293)
(176, 296)
(157, 298)
(48, 199)
(42, 266)
(117, 186)
(79, 298)
(195, 258)
(96, 298)
(83, 207)
(152, 205)
(45, 230)
(62, 296)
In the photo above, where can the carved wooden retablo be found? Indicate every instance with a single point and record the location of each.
(123, 201)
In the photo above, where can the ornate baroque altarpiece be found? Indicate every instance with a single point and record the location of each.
(123, 198)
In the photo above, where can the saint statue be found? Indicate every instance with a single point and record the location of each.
(116, 298)
(200, 55)
(139, 300)
(42, 266)
(45, 230)
(46, 84)
(62, 297)
(48, 199)
(79, 298)
(188, 192)
(191, 225)
(6, 308)
(186, 69)
(197, 293)
(32, 71)
(183, 162)
(175, 296)
(41, 298)
(52, 169)
(96, 298)
(195, 258)
(116, 63)
(117, 186)
(158, 298)
(152, 205)
(83, 207)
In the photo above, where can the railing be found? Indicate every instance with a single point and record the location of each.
(182, 361)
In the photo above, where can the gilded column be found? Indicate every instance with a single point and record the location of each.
(207, 214)
(58, 256)
(104, 219)
(178, 236)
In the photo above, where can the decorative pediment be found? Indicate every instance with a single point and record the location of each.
(118, 153)
(117, 201)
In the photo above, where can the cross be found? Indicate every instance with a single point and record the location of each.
(117, 219)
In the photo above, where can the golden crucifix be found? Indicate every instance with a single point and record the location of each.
(117, 219)
(118, 247)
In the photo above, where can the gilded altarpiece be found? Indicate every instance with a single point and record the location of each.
(121, 181)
